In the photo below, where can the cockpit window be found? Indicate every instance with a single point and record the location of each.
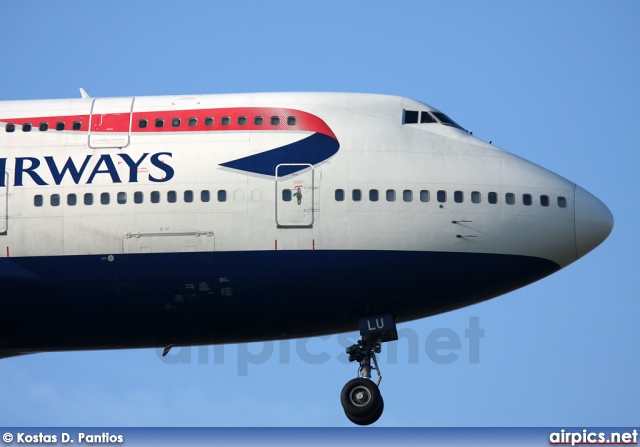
(444, 119)
(410, 117)
(425, 117)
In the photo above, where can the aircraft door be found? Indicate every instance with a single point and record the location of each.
(4, 206)
(110, 125)
(296, 195)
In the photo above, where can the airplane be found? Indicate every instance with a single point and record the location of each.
(152, 222)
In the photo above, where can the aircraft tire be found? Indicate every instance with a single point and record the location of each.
(367, 420)
(360, 398)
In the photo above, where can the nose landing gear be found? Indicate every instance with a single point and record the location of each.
(360, 397)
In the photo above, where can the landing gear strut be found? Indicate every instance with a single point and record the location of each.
(360, 397)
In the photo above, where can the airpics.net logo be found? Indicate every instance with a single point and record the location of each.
(441, 346)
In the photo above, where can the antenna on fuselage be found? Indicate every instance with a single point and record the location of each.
(84, 94)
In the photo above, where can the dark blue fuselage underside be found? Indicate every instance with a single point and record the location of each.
(150, 300)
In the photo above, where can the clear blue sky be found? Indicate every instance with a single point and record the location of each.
(555, 82)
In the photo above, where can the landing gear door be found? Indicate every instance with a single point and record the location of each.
(4, 205)
(296, 195)
(110, 125)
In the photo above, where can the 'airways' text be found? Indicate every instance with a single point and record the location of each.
(92, 165)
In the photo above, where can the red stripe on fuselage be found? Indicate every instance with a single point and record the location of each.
(119, 122)
(68, 120)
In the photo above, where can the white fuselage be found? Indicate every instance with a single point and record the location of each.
(339, 173)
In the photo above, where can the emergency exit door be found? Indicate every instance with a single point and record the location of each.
(110, 125)
(296, 195)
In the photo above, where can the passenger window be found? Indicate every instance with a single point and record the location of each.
(55, 200)
(121, 198)
(104, 198)
(60, 126)
(155, 196)
(26, 127)
(410, 117)
(77, 125)
(286, 195)
(339, 195)
(175, 122)
(225, 121)
(475, 197)
(492, 197)
(458, 196)
(204, 195)
(88, 199)
(142, 124)
(425, 117)
(172, 197)
(193, 122)
(37, 200)
(373, 195)
(258, 121)
(442, 196)
(424, 195)
(222, 195)
(407, 195)
(208, 121)
(43, 127)
(526, 199)
(72, 199)
(291, 121)
(544, 200)
(562, 202)
(242, 120)
(510, 198)
(188, 196)
(356, 195)
(159, 122)
(10, 128)
(275, 120)
(138, 197)
(391, 195)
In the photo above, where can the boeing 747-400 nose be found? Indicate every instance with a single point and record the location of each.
(594, 221)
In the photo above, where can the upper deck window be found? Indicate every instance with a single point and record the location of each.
(562, 202)
(444, 119)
